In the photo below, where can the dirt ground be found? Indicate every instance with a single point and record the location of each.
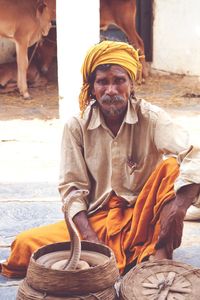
(168, 91)
(171, 91)
(43, 105)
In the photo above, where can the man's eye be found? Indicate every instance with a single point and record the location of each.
(101, 82)
(119, 80)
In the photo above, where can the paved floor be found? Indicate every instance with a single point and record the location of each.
(28, 183)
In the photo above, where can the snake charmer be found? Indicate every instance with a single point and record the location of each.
(129, 167)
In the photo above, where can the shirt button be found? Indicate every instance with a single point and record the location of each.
(115, 143)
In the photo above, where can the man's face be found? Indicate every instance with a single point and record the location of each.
(112, 90)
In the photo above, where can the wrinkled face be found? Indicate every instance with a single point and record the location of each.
(112, 89)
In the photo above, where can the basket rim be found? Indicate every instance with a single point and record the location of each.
(84, 244)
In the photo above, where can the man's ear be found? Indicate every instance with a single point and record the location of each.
(132, 85)
(92, 93)
(132, 89)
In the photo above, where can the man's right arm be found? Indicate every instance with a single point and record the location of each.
(80, 218)
(86, 231)
(74, 181)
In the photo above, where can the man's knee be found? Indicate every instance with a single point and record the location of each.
(25, 239)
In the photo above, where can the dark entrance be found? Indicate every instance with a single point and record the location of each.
(144, 25)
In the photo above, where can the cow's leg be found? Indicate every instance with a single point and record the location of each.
(22, 66)
(137, 43)
(10, 87)
(128, 25)
(5, 79)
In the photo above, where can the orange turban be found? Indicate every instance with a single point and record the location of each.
(108, 52)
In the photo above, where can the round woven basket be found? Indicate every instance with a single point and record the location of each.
(25, 292)
(64, 283)
(161, 280)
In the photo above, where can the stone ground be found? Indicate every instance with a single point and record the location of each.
(30, 134)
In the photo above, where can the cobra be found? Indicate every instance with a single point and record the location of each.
(75, 258)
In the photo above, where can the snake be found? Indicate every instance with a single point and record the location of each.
(76, 258)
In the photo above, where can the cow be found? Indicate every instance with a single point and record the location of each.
(8, 77)
(46, 51)
(122, 14)
(25, 22)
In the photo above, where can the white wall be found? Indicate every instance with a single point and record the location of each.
(176, 36)
(77, 30)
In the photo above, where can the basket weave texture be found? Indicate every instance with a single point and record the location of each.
(161, 280)
(27, 293)
(60, 284)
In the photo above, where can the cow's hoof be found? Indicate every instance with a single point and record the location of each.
(27, 97)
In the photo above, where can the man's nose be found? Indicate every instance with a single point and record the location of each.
(111, 90)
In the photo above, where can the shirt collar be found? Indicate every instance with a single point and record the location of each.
(131, 114)
(95, 118)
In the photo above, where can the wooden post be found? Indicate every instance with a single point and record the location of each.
(77, 30)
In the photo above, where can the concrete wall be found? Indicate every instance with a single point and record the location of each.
(75, 34)
(7, 50)
(176, 36)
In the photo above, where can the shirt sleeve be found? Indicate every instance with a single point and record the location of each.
(73, 170)
(172, 140)
(189, 161)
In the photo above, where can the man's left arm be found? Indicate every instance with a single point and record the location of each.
(172, 140)
(172, 217)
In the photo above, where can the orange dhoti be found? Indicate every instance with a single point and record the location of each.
(131, 232)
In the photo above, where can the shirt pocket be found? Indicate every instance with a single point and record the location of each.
(138, 173)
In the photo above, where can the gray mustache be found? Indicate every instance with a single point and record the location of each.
(112, 100)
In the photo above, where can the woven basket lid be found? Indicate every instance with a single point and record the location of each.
(161, 280)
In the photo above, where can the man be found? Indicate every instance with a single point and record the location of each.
(124, 194)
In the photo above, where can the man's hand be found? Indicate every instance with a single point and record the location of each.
(91, 237)
(171, 223)
(172, 217)
(84, 227)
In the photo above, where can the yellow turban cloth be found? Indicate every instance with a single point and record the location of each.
(108, 52)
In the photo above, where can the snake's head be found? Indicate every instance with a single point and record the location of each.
(73, 196)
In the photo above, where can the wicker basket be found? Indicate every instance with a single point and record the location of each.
(25, 292)
(161, 280)
(64, 283)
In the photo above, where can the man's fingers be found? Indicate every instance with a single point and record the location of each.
(177, 236)
(170, 238)
(163, 236)
(160, 244)
(167, 244)
(171, 227)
